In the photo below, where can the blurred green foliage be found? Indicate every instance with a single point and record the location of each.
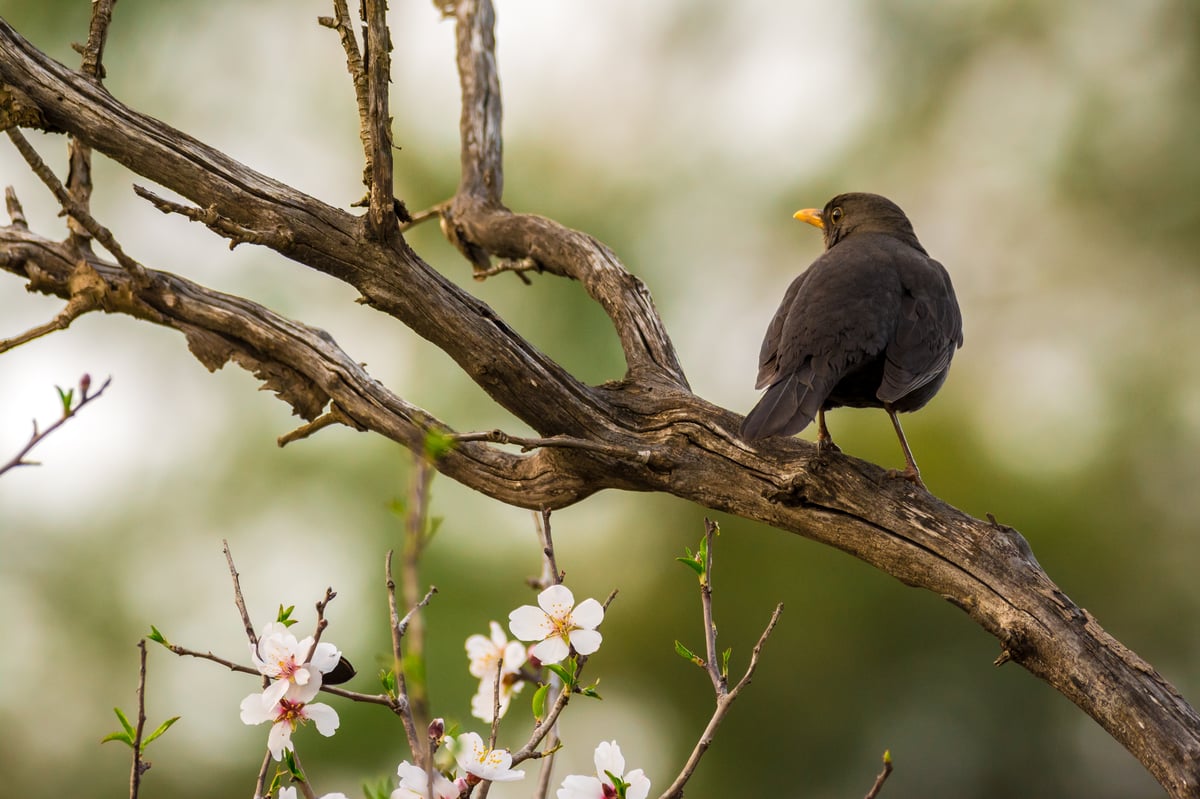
(1046, 153)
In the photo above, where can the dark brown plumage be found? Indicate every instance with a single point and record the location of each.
(873, 323)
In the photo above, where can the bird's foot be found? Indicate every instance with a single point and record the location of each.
(909, 473)
(825, 444)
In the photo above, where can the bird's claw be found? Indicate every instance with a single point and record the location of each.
(908, 473)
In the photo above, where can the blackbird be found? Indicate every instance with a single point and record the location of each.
(873, 323)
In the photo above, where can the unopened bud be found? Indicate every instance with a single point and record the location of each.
(437, 728)
(85, 383)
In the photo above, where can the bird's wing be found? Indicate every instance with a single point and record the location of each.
(834, 317)
(768, 356)
(928, 330)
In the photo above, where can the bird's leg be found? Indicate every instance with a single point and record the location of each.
(911, 472)
(824, 440)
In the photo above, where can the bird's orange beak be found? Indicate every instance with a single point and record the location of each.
(812, 216)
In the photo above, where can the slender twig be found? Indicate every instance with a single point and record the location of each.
(724, 700)
(333, 416)
(77, 211)
(882, 776)
(719, 680)
(39, 435)
(496, 703)
(93, 51)
(305, 786)
(278, 238)
(139, 766)
(237, 595)
(260, 785)
(321, 623)
(546, 770)
(518, 266)
(406, 716)
(77, 306)
(416, 536)
(16, 214)
(433, 212)
(550, 573)
(403, 625)
(527, 444)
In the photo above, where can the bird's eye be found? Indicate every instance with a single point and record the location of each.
(835, 215)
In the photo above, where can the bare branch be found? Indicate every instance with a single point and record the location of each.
(237, 596)
(68, 413)
(75, 209)
(406, 717)
(882, 776)
(139, 765)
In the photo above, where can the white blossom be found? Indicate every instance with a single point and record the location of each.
(557, 624)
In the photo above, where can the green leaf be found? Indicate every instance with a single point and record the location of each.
(118, 736)
(725, 662)
(284, 616)
(591, 691)
(381, 790)
(166, 725)
(157, 637)
(688, 654)
(124, 722)
(293, 768)
(438, 444)
(564, 674)
(692, 564)
(387, 678)
(539, 702)
(66, 398)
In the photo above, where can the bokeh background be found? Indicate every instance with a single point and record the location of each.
(1047, 155)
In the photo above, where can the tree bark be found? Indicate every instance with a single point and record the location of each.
(646, 432)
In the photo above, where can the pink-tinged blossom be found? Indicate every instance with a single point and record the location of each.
(286, 714)
(478, 761)
(414, 784)
(558, 624)
(281, 658)
(608, 760)
(487, 654)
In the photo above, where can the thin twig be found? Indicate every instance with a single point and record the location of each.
(527, 444)
(139, 765)
(321, 623)
(406, 716)
(403, 625)
(79, 155)
(277, 239)
(237, 595)
(433, 212)
(550, 573)
(260, 785)
(305, 786)
(882, 777)
(39, 435)
(77, 211)
(496, 703)
(16, 213)
(333, 416)
(77, 306)
(724, 700)
(719, 680)
(416, 536)
(546, 770)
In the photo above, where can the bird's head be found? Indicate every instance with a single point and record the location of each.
(858, 212)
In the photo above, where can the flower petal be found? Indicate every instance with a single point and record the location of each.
(279, 739)
(639, 784)
(588, 614)
(325, 717)
(608, 758)
(585, 641)
(552, 650)
(580, 787)
(255, 711)
(557, 601)
(274, 692)
(529, 623)
(325, 658)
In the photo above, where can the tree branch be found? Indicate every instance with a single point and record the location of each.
(985, 569)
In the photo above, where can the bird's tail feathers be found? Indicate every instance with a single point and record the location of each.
(788, 407)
